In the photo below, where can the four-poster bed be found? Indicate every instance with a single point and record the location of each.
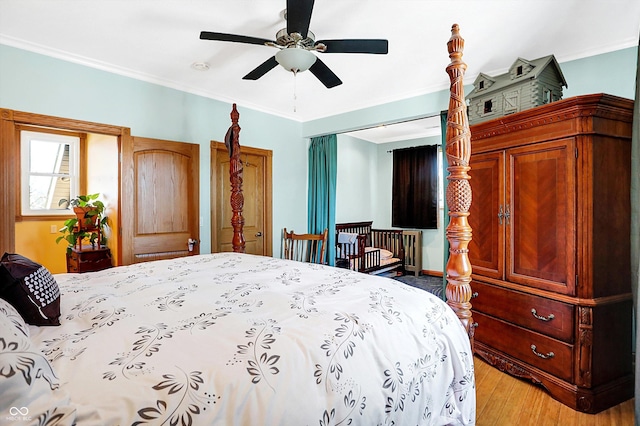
(235, 339)
(458, 151)
(232, 141)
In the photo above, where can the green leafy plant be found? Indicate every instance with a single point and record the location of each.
(90, 217)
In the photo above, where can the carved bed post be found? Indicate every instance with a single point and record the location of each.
(458, 151)
(232, 140)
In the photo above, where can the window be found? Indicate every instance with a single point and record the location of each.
(49, 171)
(415, 188)
(481, 85)
(546, 96)
(519, 70)
(488, 106)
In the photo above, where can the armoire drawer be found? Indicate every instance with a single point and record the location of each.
(545, 353)
(536, 313)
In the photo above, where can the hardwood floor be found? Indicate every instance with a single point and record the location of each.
(505, 401)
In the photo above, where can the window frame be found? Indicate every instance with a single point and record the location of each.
(77, 143)
(488, 107)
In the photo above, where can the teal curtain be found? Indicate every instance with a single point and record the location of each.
(321, 207)
(635, 226)
(445, 183)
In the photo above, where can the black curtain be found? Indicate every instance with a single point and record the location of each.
(415, 187)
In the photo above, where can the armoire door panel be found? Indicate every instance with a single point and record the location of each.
(486, 249)
(541, 207)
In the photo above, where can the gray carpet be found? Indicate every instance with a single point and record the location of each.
(425, 282)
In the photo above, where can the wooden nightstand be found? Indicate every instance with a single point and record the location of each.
(89, 260)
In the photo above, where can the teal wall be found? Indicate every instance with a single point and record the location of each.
(357, 189)
(40, 84)
(613, 73)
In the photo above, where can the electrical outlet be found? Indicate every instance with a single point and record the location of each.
(53, 229)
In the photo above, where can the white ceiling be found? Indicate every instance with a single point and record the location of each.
(158, 41)
(406, 130)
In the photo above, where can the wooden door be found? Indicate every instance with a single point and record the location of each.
(541, 201)
(486, 215)
(160, 202)
(256, 188)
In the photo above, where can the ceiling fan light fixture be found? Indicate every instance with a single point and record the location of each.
(295, 59)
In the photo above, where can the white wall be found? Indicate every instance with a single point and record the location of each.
(356, 192)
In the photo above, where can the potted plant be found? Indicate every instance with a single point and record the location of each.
(88, 224)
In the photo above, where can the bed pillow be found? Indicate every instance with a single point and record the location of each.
(31, 289)
(384, 254)
(29, 388)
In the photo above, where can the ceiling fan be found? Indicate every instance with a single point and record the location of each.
(296, 44)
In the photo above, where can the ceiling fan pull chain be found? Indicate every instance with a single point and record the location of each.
(295, 90)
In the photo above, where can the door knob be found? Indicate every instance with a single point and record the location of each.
(258, 234)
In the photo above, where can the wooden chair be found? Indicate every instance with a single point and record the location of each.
(305, 247)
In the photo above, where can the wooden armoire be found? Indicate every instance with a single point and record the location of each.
(550, 250)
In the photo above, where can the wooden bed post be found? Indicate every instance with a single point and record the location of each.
(232, 140)
(458, 151)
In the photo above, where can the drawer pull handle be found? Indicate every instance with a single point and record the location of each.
(543, 356)
(541, 318)
(474, 294)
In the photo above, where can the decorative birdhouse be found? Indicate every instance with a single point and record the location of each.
(527, 84)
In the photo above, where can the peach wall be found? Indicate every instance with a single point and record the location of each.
(102, 177)
(35, 241)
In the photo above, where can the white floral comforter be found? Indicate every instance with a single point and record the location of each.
(236, 339)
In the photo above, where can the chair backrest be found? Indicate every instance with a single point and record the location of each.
(304, 247)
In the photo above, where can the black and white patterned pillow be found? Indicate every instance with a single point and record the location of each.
(31, 289)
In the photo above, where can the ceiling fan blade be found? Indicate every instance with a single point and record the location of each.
(324, 74)
(376, 46)
(299, 16)
(207, 35)
(262, 69)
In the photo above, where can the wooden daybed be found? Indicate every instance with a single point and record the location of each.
(372, 251)
(458, 196)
